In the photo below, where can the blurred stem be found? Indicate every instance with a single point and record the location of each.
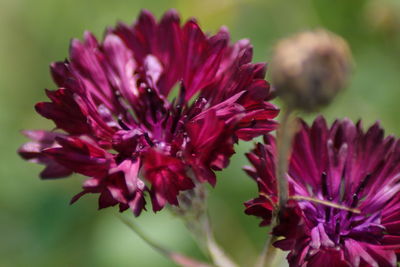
(175, 257)
(217, 254)
(285, 136)
(268, 252)
(193, 211)
(284, 142)
(271, 253)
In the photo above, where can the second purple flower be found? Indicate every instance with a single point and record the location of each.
(344, 191)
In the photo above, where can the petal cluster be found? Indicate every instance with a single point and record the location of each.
(344, 207)
(146, 107)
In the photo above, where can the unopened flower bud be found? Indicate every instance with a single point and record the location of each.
(383, 16)
(310, 68)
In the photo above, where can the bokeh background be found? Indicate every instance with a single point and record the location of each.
(37, 225)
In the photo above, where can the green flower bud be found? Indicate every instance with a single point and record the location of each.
(310, 68)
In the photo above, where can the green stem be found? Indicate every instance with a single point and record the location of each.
(193, 211)
(267, 256)
(178, 258)
(145, 238)
(271, 252)
(284, 142)
(216, 252)
(285, 136)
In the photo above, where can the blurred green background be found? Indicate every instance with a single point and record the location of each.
(37, 225)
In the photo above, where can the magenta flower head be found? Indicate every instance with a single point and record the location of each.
(154, 107)
(344, 203)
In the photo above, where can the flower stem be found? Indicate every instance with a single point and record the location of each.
(271, 253)
(284, 139)
(178, 258)
(285, 135)
(193, 211)
(267, 253)
(217, 254)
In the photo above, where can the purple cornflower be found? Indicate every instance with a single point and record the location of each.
(344, 204)
(118, 122)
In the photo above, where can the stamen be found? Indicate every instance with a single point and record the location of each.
(324, 184)
(353, 205)
(342, 185)
(153, 105)
(182, 93)
(337, 227)
(123, 125)
(327, 214)
(355, 201)
(336, 237)
(362, 184)
(148, 140)
(165, 120)
(197, 107)
(178, 107)
(176, 118)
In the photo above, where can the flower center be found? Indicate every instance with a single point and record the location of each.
(339, 220)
